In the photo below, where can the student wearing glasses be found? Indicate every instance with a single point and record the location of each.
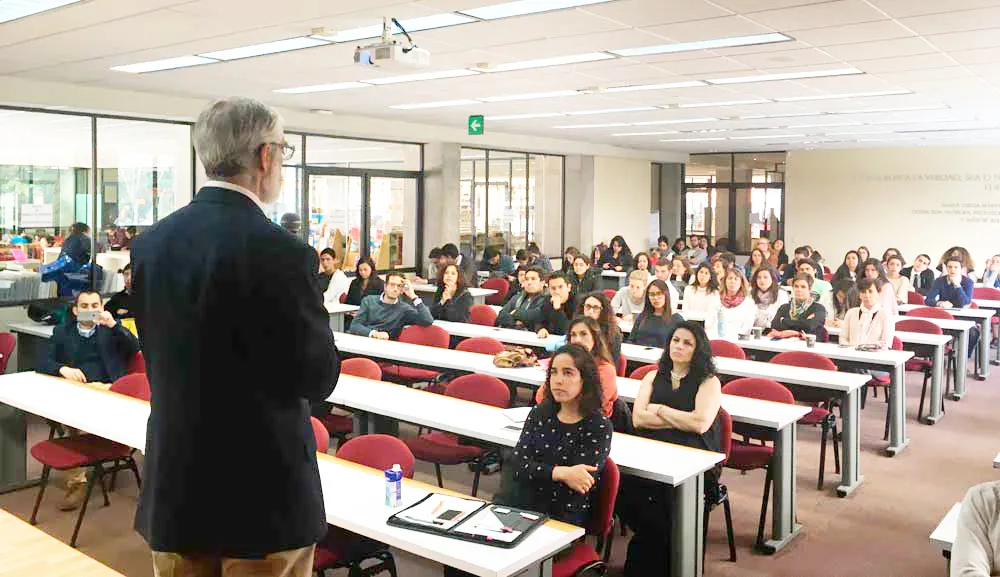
(656, 320)
(383, 317)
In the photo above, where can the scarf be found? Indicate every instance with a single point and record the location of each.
(798, 308)
(730, 301)
(766, 298)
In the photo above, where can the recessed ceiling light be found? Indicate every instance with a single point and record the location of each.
(275, 47)
(703, 45)
(766, 136)
(823, 125)
(612, 110)
(165, 64)
(860, 132)
(887, 139)
(323, 87)
(784, 115)
(657, 133)
(525, 116)
(523, 7)
(21, 8)
(605, 125)
(896, 109)
(728, 103)
(675, 121)
(786, 76)
(543, 62)
(708, 139)
(919, 121)
(531, 96)
(666, 86)
(440, 104)
(850, 95)
(411, 25)
(421, 76)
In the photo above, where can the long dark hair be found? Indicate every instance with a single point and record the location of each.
(635, 261)
(844, 271)
(879, 268)
(621, 241)
(459, 284)
(755, 292)
(702, 364)
(590, 394)
(357, 271)
(601, 350)
(851, 298)
(607, 320)
(648, 310)
(713, 281)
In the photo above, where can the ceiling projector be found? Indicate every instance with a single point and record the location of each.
(391, 53)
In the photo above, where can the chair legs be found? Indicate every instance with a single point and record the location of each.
(475, 480)
(437, 469)
(822, 455)
(95, 475)
(729, 529)
(43, 482)
(763, 508)
(724, 501)
(920, 408)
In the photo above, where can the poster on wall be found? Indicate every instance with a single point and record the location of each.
(36, 216)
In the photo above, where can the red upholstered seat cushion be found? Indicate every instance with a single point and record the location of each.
(919, 365)
(746, 457)
(338, 423)
(815, 416)
(579, 555)
(880, 380)
(442, 448)
(409, 373)
(77, 451)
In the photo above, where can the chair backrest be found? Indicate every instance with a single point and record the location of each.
(914, 298)
(482, 315)
(622, 365)
(137, 364)
(931, 313)
(759, 388)
(986, 292)
(610, 293)
(918, 326)
(501, 285)
(729, 349)
(725, 432)
(430, 336)
(134, 385)
(321, 433)
(483, 389)
(602, 513)
(482, 345)
(897, 345)
(973, 305)
(804, 359)
(378, 452)
(343, 298)
(642, 371)
(361, 367)
(7, 343)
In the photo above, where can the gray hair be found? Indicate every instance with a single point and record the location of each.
(230, 131)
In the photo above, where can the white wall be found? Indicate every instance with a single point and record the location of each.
(919, 200)
(622, 201)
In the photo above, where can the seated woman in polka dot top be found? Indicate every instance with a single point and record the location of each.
(565, 440)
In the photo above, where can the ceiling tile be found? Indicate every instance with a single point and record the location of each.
(748, 6)
(904, 8)
(953, 21)
(639, 13)
(862, 51)
(904, 63)
(977, 56)
(706, 67)
(786, 58)
(853, 33)
(836, 13)
(966, 40)
(725, 27)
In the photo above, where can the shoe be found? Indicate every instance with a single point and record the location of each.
(75, 491)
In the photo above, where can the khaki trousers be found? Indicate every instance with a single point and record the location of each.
(294, 563)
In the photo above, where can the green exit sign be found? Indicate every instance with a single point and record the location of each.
(476, 125)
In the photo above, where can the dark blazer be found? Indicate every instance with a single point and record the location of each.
(922, 282)
(120, 301)
(355, 295)
(588, 283)
(236, 343)
(115, 346)
(455, 310)
(811, 321)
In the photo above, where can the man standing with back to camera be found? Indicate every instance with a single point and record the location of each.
(237, 345)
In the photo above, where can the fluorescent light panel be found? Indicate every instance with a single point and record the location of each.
(323, 87)
(275, 47)
(612, 111)
(823, 125)
(440, 104)
(165, 64)
(786, 76)
(658, 133)
(851, 95)
(694, 139)
(605, 125)
(524, 7)
(422, 76)
(676, 121)
(14, 9)
(729, 103)
(544, 62)
(784, 115)
(525, 116)
(766, 136)
(530, 96)
(443, 20)
(666, 86)
(897, 109)
(703, 45)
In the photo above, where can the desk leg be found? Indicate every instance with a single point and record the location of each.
(961, 365)
(13, 445)
(937, 374)
(897, 426)
(783, 518)
(337, 322)
(686, 540)
(850, 475)
(541, 569)
(479, 300)
(985, 336)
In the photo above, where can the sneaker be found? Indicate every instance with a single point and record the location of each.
(73, 498)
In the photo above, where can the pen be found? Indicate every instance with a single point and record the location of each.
(437, 508)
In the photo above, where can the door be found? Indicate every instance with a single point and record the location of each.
(336, 215)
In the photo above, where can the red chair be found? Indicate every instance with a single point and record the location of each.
(321, 434)
(746, 456)
(882, 381)
(643, 371)
(729, 349)
(430, 336)
(343, 298)
(818, 401)
(343, 549)
(922, 361)
(726, 434)
(582, 559)
(482, 315)
(339, 426)
(7, 343)
(610, 293)
(931, 313)
(86, 450)
(443, 448)
(915, 298)
(985, 292)
(481, 345)
(622, 365)
(501, 285)
(137, 364)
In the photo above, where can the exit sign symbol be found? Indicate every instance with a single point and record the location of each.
(476, 125)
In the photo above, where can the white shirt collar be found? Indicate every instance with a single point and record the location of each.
(236, 188)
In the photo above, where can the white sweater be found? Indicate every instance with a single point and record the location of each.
(764, 315)
(736, 320)
(976, 551)
(698, 300)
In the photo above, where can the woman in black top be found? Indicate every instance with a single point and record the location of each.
(851, 269)
(802, 315)
(678, 403)
(569, 255)
(618, 256)
(597, 306)
(778, 248)
(655, 322)
(452, 300)
(365, 282)
(582, 278)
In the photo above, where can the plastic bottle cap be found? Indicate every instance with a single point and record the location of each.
(396, 467)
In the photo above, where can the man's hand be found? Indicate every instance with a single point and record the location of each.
(408, 290)
(945, 305)
(619, 268)
(380, 335)
(107, 320)
(72, 374)
(557, 302)
(606, 266)
(420, 280)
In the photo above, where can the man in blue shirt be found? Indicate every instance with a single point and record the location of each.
(383, 317)
(951, 290)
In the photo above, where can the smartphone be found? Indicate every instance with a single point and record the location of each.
(88, 316)
(449, 515)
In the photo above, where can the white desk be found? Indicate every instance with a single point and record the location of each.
(478, 294)
(512, 336)
(354, 496)
(32, 342)
(844, 385)
(30, 552)
(993, 305)
(982, 316)
(337, 312)
(681, 468)
(613, 279)
(960, 329)
(694, 316)
(944, 534)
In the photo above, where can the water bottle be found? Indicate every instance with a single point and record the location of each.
(393, 486)
(721, 323)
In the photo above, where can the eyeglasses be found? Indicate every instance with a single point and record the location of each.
(287, 150)
(593, 307)
(654, 294)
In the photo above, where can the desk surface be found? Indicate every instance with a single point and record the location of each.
(29, 552)
(340, 308)
(475, 292)
(830, 350)
(32, 328)
(944, 534)
(908, 337)
(963, 313)
(987, 303)
(614, 273)
(354, 495)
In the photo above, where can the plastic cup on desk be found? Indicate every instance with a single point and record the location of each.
(810, 341)
(757, 332)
